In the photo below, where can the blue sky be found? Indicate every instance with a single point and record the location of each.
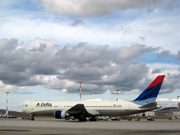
(47, 46)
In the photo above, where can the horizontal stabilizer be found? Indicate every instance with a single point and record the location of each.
(149, 105)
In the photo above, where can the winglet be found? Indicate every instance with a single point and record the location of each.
(151, 92)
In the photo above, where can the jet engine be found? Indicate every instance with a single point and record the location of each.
(60, 114)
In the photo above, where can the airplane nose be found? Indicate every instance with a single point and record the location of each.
(24, 109)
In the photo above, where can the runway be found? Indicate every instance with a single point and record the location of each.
(61, 127)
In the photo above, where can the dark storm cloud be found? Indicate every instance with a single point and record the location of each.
(42, 62)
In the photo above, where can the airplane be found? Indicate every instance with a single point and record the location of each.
(82, 110)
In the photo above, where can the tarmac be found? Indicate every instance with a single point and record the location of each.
(42, 126)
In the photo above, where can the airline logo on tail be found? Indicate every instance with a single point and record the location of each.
(152, 91)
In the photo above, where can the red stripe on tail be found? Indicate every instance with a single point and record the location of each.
(158, 80)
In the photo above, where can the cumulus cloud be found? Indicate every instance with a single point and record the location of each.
(157, 70)
(165, 102)
(42, 62)
(25, 102)
(159, 28)
(163, 54)
(99, 7)
(172, 72)
(6, 87)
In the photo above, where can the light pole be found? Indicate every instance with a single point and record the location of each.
(178, 107)
(7, 105)
(117, 94)
(80, 89)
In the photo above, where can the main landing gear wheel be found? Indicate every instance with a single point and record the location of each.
(32, 118)
(93, 119)
(82, 118)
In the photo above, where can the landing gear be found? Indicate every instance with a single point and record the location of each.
(82, 118)
(93, 119)
(32, 117)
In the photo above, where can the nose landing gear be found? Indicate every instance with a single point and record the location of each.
(32, 117)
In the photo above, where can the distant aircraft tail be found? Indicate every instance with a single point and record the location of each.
(150, 94)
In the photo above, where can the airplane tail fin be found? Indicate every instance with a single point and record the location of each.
(151, 92)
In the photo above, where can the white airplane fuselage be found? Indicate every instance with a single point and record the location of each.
(98, 108)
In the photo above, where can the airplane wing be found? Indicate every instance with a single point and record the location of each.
(79, 111)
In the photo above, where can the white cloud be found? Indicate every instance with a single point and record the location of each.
(95, 7)
(40, 63)
(162, 100)
(26, 30)
(163, 65)
(38, 43)
(64, 90)
(134, 91)
(166, 102)
(9, 88)
(157, 30)
(25, 102)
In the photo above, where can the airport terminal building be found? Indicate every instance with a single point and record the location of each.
(168, 111)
